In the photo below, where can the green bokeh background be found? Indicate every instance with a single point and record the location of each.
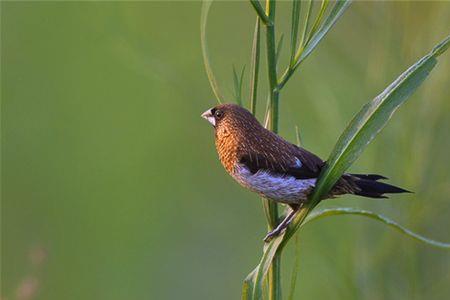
(111, 186)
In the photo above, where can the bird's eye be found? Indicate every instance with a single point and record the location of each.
(218, 114)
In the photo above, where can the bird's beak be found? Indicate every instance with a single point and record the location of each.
(209, 117)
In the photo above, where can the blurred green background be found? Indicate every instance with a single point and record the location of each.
(111, 186)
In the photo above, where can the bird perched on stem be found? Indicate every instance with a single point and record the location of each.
(265, 163)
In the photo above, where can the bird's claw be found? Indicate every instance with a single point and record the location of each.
(272, 234)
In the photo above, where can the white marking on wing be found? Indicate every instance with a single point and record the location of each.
(298, 163)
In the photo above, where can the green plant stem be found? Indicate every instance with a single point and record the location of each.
(272, 67)
(260, 11)
(286, 75)
(274, 277)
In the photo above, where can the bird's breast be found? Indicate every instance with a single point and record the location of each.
(227, 148)
(277, 187)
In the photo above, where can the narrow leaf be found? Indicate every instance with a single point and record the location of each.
(378, 217)
(299, 138)
(295, 62)
(296, 5)
(203, 21)
(236, 87)
(295, 269)
(249, 285)
(372, 118)
(241, 82)
(361, 130)
(338, 9)
(255, 67)
(279, 47)
(364, 127)
(319, 17)
(306, 25)
(269, 252)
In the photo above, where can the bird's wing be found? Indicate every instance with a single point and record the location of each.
(295, 161)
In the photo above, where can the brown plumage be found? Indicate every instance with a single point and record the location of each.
(278, 170)
(240, 136)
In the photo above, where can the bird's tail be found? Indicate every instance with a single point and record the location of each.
(369, 186)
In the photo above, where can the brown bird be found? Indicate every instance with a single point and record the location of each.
(265, 163)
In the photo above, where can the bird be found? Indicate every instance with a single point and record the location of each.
(265, 163)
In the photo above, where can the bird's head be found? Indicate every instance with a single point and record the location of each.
(230, 118)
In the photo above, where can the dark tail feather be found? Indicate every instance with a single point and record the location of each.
(370, 187)
(369, 176)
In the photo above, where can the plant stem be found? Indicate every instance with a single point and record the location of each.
(274, 277)
(272, 66)
(260, 11)
(270, 265)
(286, 75)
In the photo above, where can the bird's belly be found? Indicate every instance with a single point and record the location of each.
(285, 189)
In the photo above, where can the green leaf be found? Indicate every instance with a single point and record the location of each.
(306, 25)
(295, 269)
(309, 43)
(323, 8)
(279, 47)
(364, 127)
(238, 85)
(378, 217)
(299, 138)
(249, 285)
(372, 118)
(256, 278)
(212, 79)
(361, 130)
(338, 9)
(255, 67)
(296, 5)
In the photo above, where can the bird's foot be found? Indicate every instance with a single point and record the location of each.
(281, 227)
(274, 233)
